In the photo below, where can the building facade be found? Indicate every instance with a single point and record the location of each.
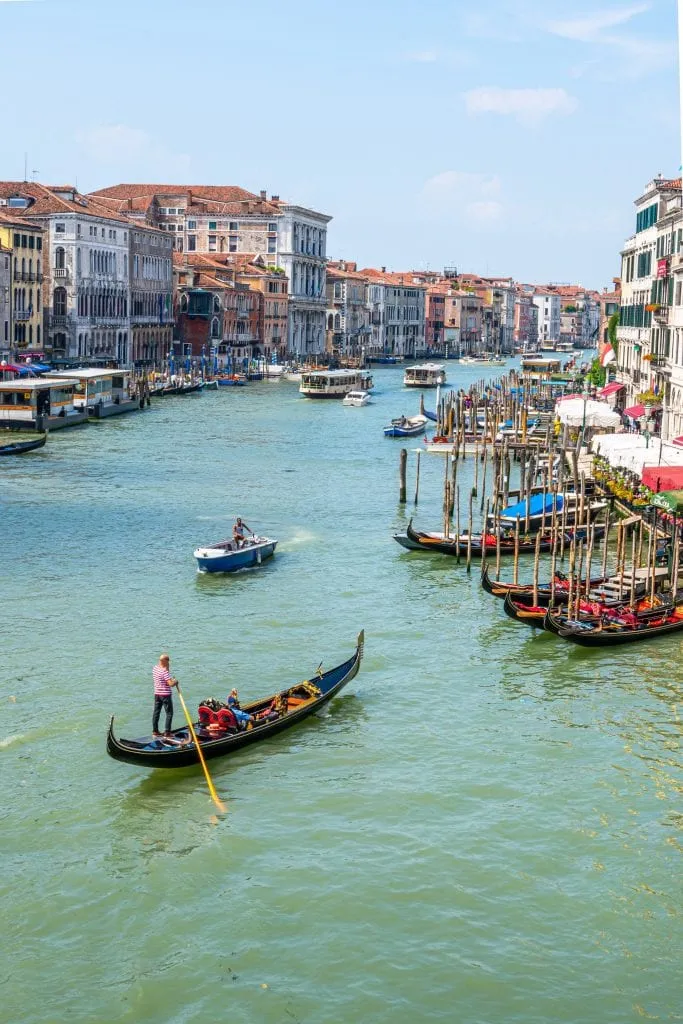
(151, 294)
(85, 268)
(303, 256)
(548, 305)
(5, 303)
(24, 240)
(348, 312)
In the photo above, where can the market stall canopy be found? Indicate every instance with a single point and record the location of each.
(635, 411)
(633, 451)
(670, 501)
(580, 412)
(610, 389)
(663, 478)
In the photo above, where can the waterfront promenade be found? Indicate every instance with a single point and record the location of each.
(483, 828)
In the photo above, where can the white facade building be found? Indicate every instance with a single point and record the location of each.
(302, 253)
(549, 319)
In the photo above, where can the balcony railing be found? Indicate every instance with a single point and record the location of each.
(23, 314)
(58, 320)
(60, 272)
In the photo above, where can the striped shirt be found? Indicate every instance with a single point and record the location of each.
(161, 678)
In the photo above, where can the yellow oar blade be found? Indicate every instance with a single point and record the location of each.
(212, 789)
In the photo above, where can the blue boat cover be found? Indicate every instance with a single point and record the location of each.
(518, 511)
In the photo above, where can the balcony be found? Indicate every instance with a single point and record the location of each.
(60, 272)
(59, 321)
(23, 314)
(661, 315)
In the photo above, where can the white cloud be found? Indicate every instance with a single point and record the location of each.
(463, 193)
(621, 56)
(123, 146)
(590, 27)
(529, 105)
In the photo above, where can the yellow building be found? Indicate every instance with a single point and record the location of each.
(24, 241)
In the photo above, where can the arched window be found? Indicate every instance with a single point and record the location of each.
(38, 271)
(38, 335)
(59, 301)
(183, 304)
(215, 328)
(30, 334)
(59, 258)
(216, 304)
(23, 267)
(78, 260)
(337, 322)
(330, 322)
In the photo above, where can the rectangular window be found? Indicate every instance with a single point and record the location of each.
(191, 225)
(212, 225)
(272, 227)
(679, 287)
(31, 242)
(17, 241)
(191, 243)
(233, 243)
(24, 242)
(272, 245)
(59, 229)
(212, 243)
(233, 226)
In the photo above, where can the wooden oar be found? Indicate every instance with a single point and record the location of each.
(212, 789)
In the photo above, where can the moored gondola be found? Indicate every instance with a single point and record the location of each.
(295, 703)
(459, 545)
(611, 632)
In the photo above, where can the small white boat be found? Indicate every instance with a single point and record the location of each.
(357, 398)
(425, 375)
(483, 360)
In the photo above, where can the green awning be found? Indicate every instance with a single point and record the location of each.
(670, 501)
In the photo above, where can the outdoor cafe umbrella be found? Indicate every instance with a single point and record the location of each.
(585, 412)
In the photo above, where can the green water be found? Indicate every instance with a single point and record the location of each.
(485, 827)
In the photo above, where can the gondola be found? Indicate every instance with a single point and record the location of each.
(302, 700)
(19, 447)
(609, 633)
(521, 608)
(459, 545)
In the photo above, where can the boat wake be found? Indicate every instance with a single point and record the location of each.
(11, 740)
(298, 537)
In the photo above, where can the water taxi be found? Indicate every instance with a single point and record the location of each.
(424, 375)
(39, 403)
(334, 383)
(101, 393)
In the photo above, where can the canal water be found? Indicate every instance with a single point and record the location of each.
(485, 827)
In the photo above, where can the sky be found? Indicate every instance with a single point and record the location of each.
(503, 137)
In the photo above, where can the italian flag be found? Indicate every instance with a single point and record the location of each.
(607, 354)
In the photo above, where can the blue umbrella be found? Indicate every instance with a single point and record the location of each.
(171, 362)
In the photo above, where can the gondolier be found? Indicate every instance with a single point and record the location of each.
(163, 698)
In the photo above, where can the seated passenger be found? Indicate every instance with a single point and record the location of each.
(243, 718)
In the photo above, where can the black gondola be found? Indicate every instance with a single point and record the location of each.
(303, 700)
(438, 542)
(19, 447)
(608, 633)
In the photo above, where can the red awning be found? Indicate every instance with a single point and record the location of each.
(678, 441)
(663, 478)
(568, 398)
(635, 411)
(610, 389)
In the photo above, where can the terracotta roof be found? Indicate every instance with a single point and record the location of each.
(46, 201)
(224, 198)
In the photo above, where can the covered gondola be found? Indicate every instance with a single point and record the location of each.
(20, 447)
(611, 631)
(488, 542)
(293, 705)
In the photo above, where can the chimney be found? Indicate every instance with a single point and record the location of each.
(275, 199)
(384, 270)
(263, 194)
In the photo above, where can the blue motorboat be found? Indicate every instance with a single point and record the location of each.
(227, 556)
(406, 426)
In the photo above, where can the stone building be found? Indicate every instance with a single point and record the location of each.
(397, 313)
(348, 313)
(24, 240)
(5, 302)
(303, 255)
(151, 294)
(85, 269)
